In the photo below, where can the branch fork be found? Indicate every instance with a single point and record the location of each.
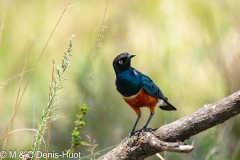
(170, 137)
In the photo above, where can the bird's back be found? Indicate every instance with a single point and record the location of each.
(153, 90)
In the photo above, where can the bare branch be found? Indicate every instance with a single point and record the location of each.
(169, 137)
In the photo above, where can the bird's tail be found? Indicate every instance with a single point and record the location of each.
(168, 106)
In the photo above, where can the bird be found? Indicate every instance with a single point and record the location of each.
(138, 90)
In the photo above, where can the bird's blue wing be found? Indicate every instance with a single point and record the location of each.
(151, 88)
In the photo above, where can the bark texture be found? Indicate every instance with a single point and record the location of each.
(170, 137)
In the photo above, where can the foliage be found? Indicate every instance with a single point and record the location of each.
(55, 88)
(79, 123)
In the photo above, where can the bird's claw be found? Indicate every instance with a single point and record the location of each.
(144, 129)
(136, 133)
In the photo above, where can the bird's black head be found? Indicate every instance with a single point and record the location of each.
(122, 62)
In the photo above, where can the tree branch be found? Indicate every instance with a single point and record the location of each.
(170, 137)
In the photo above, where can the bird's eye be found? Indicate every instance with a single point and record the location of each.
(120, 62)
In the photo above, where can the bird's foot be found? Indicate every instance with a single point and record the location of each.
(136, 133)
(144, 129)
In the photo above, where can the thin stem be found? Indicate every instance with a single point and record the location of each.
(35, 66)
(95, 49)
(2, 22)
(15, 108)
(49, 125)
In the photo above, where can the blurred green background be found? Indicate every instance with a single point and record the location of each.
(190, 48)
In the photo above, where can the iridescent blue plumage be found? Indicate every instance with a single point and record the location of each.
(151, 88)
(128, 82)
(137, 89)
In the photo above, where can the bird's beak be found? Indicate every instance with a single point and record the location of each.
(131, 55)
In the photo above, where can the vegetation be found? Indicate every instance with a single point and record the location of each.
(189, 48)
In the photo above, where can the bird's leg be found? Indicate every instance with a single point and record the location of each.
(133, 133)
(139, 116)
(145, 127)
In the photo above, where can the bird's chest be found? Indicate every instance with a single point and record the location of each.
(128, 84)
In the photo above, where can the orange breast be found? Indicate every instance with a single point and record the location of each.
(142, 99)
